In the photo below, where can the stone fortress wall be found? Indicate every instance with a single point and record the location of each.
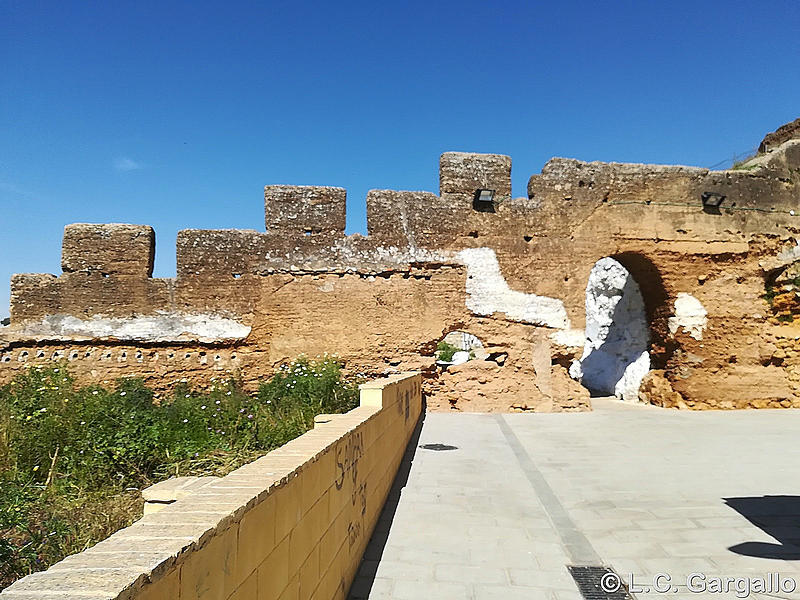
(712, 256)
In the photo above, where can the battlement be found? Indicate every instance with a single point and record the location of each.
(470, 256)
(297, 210)
(107, 268)
(109, 249)
(462, 174)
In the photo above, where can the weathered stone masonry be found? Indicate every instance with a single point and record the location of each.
(718, 284)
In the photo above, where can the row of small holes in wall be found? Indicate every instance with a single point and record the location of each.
(122, 356)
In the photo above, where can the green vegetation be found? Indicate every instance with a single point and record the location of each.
(73, 459)
(769, 293)
(740, 163)
(445, 351)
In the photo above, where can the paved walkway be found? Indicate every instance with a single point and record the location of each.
(640, 489)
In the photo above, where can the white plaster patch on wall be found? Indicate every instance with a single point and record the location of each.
(689, 314)
(615, 354)
(489, 293)
(162, 327)
(571, 338)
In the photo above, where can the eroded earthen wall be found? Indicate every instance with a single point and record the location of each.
(717, 284)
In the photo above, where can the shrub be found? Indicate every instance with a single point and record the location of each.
(72, 459)
(299, 392)
(445, 351)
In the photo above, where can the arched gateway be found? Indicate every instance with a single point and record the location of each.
(615, 357)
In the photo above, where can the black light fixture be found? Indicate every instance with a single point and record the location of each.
(483, 201)
(712, 201)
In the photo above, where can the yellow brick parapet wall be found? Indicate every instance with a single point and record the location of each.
(292, 524)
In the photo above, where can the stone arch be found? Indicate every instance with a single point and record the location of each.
(466, 341)
(467, 346)
(656, 303)
(616, 354)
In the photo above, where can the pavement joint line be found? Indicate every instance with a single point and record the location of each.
(578, 547)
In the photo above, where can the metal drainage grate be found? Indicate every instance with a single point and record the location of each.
(599, 583)
(438, 447)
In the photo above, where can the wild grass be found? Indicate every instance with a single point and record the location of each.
(74, 459)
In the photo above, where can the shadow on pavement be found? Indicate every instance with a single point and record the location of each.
(778, 516)
(365, 577)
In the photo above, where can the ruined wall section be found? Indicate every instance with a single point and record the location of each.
(574, 212)
(577, 213)
(663, 203)
(784, 133)
(589, 210)
(107, 269)
(425, 220)
(653, 220)
(383, 300)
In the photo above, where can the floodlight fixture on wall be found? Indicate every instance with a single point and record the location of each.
(483, 201)
(712, 201)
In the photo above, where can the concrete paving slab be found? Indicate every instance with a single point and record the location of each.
(641, 489)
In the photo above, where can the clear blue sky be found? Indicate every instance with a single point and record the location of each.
(177, 114)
